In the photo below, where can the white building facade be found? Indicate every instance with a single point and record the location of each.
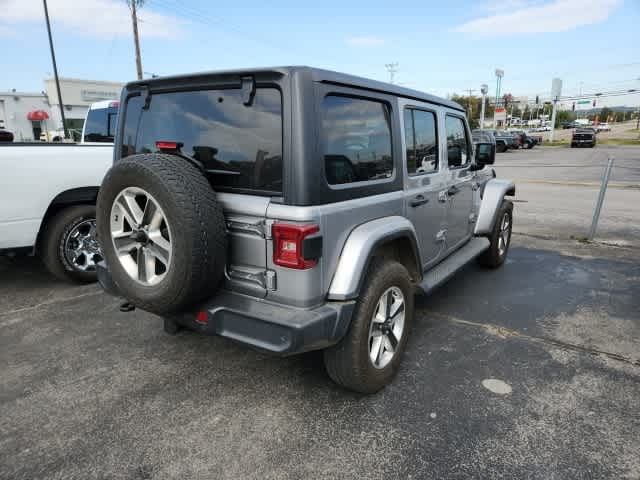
(77, 96)
(14, 112)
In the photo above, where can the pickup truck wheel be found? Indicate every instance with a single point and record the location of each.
(369, 356)
(500, 238)
(69, 247)
(162, 232)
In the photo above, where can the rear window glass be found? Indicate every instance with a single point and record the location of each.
(100, 125)
(240, 146)
(357, 140)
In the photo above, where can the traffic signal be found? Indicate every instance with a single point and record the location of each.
(594, 102)
(573, 107)
(537, 99)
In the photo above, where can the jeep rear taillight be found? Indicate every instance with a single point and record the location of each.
(288, 245)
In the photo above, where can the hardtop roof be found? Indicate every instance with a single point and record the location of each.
(318, 75)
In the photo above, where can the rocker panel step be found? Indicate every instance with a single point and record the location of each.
(450, 265)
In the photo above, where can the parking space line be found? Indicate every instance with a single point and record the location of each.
(503, 332)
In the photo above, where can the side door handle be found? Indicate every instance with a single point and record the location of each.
(418, 200)
(452, 190)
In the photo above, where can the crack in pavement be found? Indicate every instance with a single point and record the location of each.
(47, 303)
(503, 332)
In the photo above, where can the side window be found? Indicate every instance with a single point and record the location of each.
(458, 148)
(422, 141)
(357, 140)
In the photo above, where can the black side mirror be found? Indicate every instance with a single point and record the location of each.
(485, 154)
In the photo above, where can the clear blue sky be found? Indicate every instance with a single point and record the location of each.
(441, 48)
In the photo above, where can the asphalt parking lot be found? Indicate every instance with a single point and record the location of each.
(529, 371)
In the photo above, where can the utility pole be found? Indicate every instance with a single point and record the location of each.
(55, 71)
(469, 104)
(392, 68)
(133, 4)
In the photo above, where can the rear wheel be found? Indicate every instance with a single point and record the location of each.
(369, 356)
(162, 231)
(69, 247)
(500, 238)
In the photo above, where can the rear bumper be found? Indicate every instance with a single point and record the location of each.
(276, 328)
(282, 330)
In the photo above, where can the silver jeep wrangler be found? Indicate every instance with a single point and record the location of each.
(296, 209)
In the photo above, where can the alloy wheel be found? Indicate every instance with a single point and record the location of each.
(504, 234)
(141, 236)
(387, 327)
(81, 248)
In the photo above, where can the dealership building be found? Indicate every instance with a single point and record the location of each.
(27, 115)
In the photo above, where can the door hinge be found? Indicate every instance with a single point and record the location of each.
(270, 280)
(268, 224)
(266, 279)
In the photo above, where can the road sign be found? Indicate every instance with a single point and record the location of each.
(584, 104)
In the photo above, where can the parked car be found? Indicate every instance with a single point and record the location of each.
(48, 193)
(52, 135)
(509, 139)
(274, 207)
(603, 127)
(526, 141)
(6, 136)
(583, 137)
(489, 137)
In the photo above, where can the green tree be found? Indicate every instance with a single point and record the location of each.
(604, 114)
(564, 116)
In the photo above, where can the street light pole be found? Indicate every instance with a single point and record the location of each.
(483, 89)
(556, 91)
(55, 70)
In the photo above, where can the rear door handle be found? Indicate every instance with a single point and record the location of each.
(453, 190)
(419, 200)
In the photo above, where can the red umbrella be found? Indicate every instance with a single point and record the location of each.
(37, 115)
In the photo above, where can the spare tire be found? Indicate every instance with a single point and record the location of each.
(162, 232)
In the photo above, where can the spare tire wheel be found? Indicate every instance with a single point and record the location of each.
(162, 232)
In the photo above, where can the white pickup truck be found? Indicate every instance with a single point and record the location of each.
(48, 194)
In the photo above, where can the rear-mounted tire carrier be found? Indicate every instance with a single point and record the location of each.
(192, 215)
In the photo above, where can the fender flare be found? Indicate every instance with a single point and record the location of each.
(493, 193)
(358, 249)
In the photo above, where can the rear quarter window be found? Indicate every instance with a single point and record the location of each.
(357, 140)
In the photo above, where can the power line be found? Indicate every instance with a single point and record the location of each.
(203, 18)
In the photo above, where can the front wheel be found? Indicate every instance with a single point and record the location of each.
(500, 238)
(369, 356)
